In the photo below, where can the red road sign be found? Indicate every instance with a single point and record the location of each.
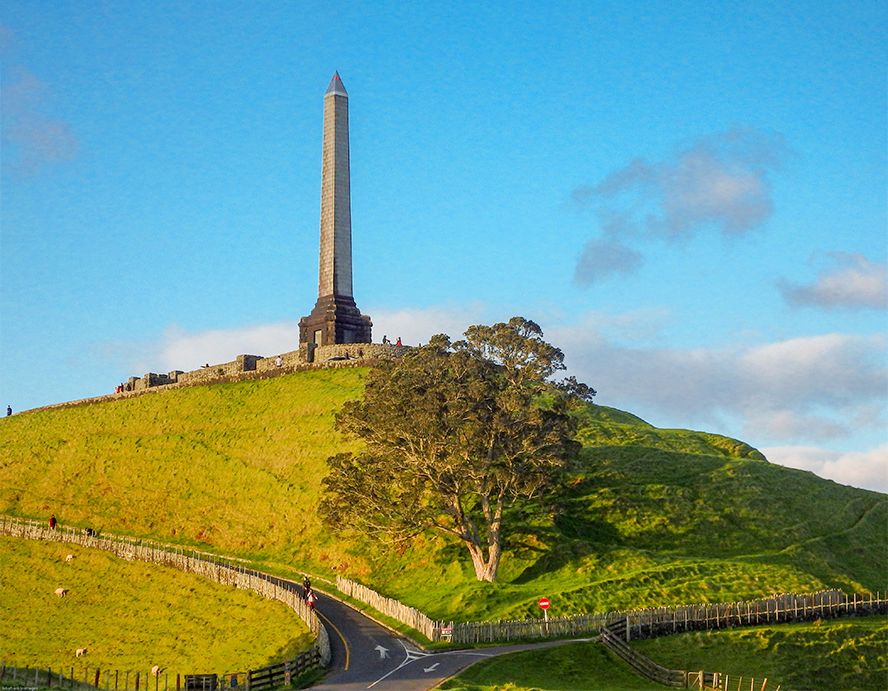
(544, 603)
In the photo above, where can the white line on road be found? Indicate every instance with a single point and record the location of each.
(410, 657)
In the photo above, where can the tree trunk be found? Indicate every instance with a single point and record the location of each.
(486, 568)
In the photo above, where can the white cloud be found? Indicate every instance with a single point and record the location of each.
(867, 469)
(186, 351)
(178, 349)
(849, 281)
(802, 389)
(33, 138)
(603, 257)
(716, 181)
(721, 179)
(415, 326)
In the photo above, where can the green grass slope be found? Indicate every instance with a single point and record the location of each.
(649, 516)
(131, 616)
(850, 654)
(233, 467)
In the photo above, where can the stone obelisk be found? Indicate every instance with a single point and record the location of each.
(335, 317)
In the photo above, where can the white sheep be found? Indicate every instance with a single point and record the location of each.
(61, 592)
(70, 557)
(80, 651)
(155, 670)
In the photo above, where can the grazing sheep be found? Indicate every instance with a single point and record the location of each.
(155, 670)
(61, 592)
(80, 651)
(70, 557)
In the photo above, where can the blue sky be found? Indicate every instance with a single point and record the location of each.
(689, 198)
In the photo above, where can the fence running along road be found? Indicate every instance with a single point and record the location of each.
(663, 621)
(622, 626)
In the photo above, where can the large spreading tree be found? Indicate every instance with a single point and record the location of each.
(454, 434)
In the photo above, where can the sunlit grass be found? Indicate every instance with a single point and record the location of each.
(648, 517)
(133, 615)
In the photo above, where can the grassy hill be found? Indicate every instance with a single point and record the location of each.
(649, 517)
(130, 616)
(848, 654)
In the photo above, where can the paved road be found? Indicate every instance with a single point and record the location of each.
(369, 656)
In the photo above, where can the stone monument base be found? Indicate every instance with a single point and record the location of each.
(335, 319)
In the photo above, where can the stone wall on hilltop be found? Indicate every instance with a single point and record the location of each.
(245, 367)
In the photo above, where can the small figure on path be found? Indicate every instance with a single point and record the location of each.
(399, 341)
(8, 410)
(311, 598)
(306, 587)
(52, 522)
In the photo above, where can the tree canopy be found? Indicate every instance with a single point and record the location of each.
(455, 433)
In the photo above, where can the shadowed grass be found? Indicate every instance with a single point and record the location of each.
(851, 655)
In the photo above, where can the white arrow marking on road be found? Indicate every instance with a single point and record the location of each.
(383, 652)
(432, 668)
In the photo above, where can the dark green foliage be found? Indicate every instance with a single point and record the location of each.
(454, 436)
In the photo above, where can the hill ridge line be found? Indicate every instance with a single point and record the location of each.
(245, 368)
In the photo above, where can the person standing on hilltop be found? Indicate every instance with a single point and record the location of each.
(8, 410)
